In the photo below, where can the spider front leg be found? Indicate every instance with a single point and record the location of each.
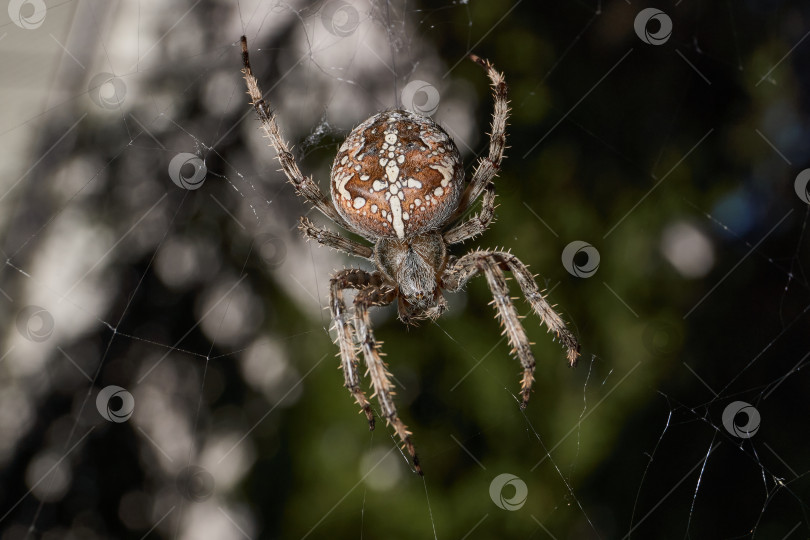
(377, 370)
(492, 265)
(350, 279)
(304, 185)
(489, 166)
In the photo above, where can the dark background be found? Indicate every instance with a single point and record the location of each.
(677, 162)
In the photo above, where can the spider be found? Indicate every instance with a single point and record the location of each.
(398, 181)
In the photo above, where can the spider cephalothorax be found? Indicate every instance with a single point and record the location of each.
(415, 264)
(398, 181)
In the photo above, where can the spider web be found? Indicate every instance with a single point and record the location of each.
(167, 369)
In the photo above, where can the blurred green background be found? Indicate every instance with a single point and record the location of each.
(680, 163)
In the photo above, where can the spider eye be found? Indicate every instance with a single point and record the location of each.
(398, 174)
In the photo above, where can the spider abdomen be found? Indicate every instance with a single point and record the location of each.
(397, 174)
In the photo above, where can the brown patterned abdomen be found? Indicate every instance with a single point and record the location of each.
(397, 174)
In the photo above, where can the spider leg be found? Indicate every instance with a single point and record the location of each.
(334, 240)
(304, 185)
(488, 166)
(478, 223)
(350, 279)
(511, 322)
(541, 307)
(492, 265)
(377, 370)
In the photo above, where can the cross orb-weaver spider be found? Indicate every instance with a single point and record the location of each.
(398, 181)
